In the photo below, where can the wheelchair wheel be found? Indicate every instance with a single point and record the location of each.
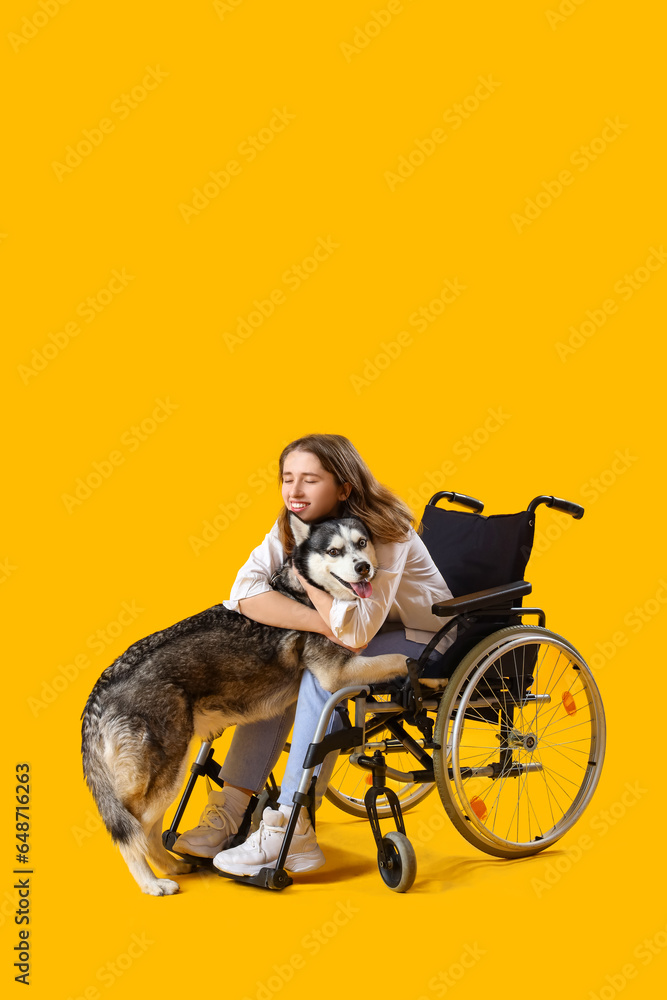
(402, 869)
(348, 785)
(522, 731)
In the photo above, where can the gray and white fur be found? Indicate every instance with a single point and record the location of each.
(215, 669)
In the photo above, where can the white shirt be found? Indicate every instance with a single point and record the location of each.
(405, 586)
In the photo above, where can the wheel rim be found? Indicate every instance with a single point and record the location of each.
(348, 784)
(401, 856)
(392, 876)
(545, 746)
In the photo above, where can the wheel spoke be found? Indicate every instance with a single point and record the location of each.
(558, 705)
(489, 811)
(348, 784)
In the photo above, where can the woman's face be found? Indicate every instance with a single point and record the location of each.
(308, 490)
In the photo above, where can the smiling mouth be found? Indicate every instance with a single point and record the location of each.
(361, 589)
(298, 506)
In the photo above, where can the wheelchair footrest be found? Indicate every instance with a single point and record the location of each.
(192, 859)
(267, 878)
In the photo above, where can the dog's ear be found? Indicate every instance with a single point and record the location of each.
(300, 529)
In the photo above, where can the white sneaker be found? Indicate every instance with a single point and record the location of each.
(262, 848)
(217, 825)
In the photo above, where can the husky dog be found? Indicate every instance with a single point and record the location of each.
(205, 673)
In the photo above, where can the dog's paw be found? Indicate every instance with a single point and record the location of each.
(434, 683)
(396, 664)
(168, 887)
(162, 887)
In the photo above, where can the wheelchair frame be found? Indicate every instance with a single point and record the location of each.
(488, 685)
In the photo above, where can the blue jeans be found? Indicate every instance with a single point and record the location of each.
(256, 747)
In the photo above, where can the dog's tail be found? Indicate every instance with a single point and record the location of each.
(125, 829)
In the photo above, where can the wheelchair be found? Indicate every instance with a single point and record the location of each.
(507, 724)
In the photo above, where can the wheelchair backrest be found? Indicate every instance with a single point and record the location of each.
(474, 552)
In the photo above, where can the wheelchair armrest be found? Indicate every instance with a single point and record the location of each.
(481, 599)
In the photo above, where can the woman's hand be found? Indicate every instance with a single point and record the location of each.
(339, 642)
(304, 583)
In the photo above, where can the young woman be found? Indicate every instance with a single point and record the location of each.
(321, 476)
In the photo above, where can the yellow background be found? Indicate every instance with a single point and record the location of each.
(69, 568)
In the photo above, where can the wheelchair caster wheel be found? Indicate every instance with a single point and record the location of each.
(400, 872)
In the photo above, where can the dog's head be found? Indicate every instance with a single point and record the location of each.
(335, 555)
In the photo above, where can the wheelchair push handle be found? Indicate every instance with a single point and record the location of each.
(461, 498)
(566, 506)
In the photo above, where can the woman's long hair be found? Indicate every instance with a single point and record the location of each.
(385, 515)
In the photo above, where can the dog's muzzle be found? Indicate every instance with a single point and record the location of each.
(362, 588)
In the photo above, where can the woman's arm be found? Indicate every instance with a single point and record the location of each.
(272, 608)
(322, 600)
(253, 597)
